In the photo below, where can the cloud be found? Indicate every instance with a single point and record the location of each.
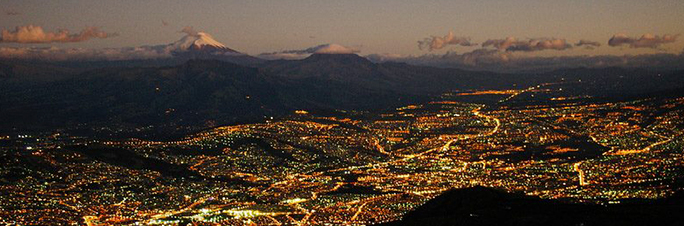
(512, 44)
(502, 61)
(301, 54)
(189, 30)
(645, 41)
(587, 44)
(385, 57)
(435, 42)
(82, 54)
(334, 49)
(36, 34)
(476, 59)
(501, 44)
(126, 53)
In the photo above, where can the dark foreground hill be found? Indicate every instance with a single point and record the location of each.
(486, 206)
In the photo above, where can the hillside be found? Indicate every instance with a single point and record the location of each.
(486, 206)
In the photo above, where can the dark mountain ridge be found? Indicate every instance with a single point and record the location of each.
(486, 206)
(191, 94)
(202, 93)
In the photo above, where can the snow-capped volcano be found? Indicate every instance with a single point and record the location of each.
(200, 45)
(201, 42)
(330, 49)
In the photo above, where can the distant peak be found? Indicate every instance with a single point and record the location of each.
(334, 49)
(335, 55)
(327, 49)
(338, 57)
(200, 41)
(204, 39)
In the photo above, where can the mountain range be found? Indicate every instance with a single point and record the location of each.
(207, 83)
(203, 46)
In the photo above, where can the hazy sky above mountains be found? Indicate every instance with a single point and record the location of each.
(525, 27)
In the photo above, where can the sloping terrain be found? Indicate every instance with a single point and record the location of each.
(485, 206)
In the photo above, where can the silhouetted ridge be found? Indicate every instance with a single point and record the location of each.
(486, 206)
(201, 92)
(337, 58)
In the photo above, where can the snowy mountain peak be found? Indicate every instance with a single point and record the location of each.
(202, 42)
(204, 39)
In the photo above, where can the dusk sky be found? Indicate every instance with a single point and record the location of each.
(380, 26)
